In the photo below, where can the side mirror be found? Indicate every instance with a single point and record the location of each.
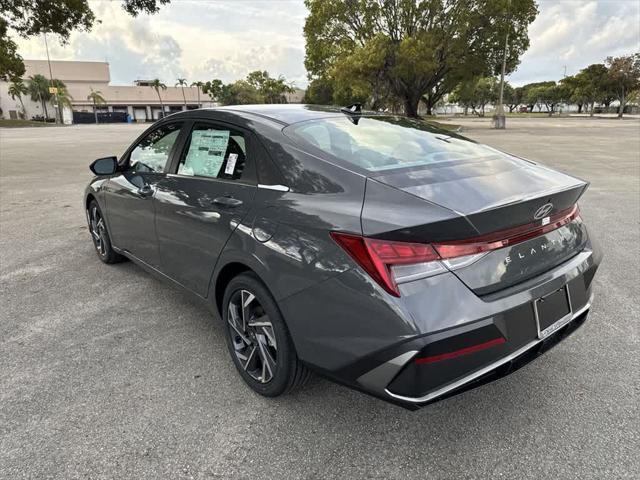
(104, 166)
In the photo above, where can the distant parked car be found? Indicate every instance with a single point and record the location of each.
(523, 109)
(402, 260)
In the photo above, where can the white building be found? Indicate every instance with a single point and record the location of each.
(140, 101)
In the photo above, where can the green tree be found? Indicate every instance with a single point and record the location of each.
(240, 92)
(38, 87)
(588, 86)
(476, 93)
(575, 91)
(405, 49)
(96, 98)
(486, 91)
(182, 82)
(464, 96)
(17, 89)
(319, 91)
(213, 88)
(272, 90)
(548, 94)
(11, 65)
(157, 85)
(533, 94)
(512, 96)
(199, 85)
(634, 97)
(63, 96)
(61, 17)
(624, 77)
(551, 96)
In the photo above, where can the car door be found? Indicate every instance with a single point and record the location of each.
(129, 194)
(208, 191)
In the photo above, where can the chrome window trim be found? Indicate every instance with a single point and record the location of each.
(279, 188)
(469, 378)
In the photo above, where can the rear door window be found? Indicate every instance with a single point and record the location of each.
(215, 152)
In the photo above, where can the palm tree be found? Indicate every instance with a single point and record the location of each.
(199, 85)
(17, 88)
(39, 90)
(182, 82)
(64, 98)
(157, 85)
(97, 99)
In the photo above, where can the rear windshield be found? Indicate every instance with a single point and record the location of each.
(385, 143)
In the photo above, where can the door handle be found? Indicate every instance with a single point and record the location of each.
(145, 191)
(227, 201)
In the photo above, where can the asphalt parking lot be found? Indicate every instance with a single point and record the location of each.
(105, 372)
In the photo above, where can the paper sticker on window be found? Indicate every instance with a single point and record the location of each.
(206, 153)
(231, 163)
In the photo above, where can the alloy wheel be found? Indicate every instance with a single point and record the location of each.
(253, 338)
(98, 231)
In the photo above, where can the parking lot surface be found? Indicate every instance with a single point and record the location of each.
(105, 372)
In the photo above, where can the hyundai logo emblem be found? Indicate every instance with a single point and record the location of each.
(543, 211)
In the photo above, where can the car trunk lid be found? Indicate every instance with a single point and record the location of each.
(493, 192)
(528, 207)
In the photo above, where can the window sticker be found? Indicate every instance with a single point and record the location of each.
(206, 153)
(231, 163)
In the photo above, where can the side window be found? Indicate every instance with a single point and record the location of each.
(152, 153)
(213, 152)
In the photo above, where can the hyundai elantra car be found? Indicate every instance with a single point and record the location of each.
(393, 257)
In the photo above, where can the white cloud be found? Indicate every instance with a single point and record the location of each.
(199, 40)
(575, 34)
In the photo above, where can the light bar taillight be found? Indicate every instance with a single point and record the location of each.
(378, 257)
(504, 238)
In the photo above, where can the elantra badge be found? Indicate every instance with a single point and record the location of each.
(543, 211)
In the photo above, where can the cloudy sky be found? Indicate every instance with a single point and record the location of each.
(226, 39)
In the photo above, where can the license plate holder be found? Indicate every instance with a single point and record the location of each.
(552, 312)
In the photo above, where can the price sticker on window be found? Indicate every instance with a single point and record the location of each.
(231, 163)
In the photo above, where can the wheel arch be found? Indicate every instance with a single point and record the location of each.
(222, 279)
(230, 269)
(88, 199)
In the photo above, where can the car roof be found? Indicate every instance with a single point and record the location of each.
(286, 113)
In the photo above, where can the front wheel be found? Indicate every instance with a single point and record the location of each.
(258, 339)
(100, 235)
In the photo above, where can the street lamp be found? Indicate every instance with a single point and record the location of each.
(499, 119)
(52, 88)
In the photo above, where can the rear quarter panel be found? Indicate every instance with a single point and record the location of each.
(285, 237)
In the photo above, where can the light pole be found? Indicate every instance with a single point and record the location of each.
(499, 119)
(52, 88)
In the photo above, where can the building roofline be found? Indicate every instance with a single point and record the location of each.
(64, 61)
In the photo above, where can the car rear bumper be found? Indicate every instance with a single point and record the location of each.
(501, 366)
(439, 338)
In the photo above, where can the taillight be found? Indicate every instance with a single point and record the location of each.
(379, 257)
(504, 238)
(390, 263)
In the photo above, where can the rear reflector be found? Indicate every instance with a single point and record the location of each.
(462, 351)
(377, 257)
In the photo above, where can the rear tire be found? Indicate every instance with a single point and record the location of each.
(100, 235)
(258, 339)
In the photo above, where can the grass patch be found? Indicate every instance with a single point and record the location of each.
(23, 123)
